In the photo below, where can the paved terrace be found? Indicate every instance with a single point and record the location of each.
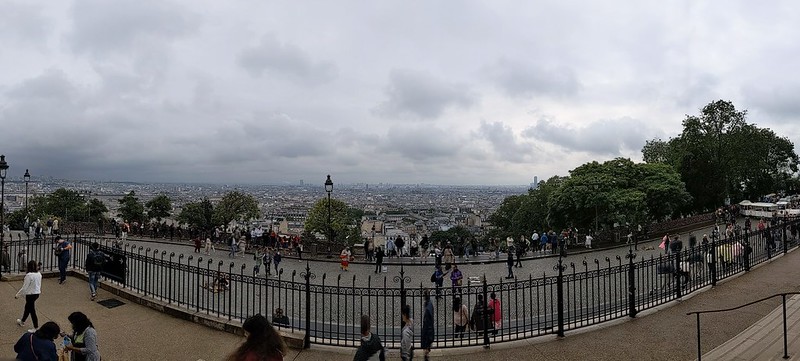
(134, 332)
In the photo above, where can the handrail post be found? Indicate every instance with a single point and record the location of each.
(699, 352)
(785, 343)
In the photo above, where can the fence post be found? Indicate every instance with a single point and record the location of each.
(485, 314)
(308, 277)
(560, 267)
(785, 343)
(713, 263)
(170, 285)
(230, 291)
(785, 240)
(631, 283)
(679, 275)
(146, 269)
(402, 279)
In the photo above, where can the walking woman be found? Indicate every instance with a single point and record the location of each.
(31, 288)
(84, 338)
(263, 342)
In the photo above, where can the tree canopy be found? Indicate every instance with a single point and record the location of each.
(198, 215)
(344, 221)
(235, 206)
(130, 208)
(159, 207)
(595, 195)
(720, 156)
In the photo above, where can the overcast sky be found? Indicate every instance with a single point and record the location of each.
(444, 92)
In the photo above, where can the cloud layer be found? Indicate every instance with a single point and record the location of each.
(436, 92)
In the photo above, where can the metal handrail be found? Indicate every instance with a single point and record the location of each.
(783, 297)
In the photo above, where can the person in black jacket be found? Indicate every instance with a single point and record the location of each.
(510, 262)
(378, 260)
(95, 260)
(370, 344)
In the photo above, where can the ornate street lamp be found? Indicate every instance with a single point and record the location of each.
(3, 169)
(27, 178)
(329, 189)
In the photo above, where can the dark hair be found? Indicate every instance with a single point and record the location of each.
(48, 331)
(79, 322)
(493, 295)
(365, 323)
(95, 246)
(406, 311)
(262, 340)
(456, 304)
(58, 238)
(32, 266)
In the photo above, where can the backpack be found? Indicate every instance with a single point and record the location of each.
(98, 258)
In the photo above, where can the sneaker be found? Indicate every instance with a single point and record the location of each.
(32, 330)
(20, 323)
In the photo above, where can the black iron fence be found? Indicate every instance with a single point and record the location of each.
(327, 308)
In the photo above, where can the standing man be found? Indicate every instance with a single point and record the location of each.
(379, 260)
(62, 251)
(438, 279)
(277, 260)
(535, 240)
(428, 331)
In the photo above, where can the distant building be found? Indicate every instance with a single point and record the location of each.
(535, 184)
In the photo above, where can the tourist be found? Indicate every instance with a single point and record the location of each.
(543, 242)
(84, 338)
(438, 278)
(497, 320)
(390, 248)
(279, 318)
(476, 322)
(427, 324)
(62, 251)
(38, 345)
(266, 260)
(31, 289)
(407, 335)
(665, 244)
(414, 249)
(456, 278)
(400, 245)
(263, 342)
(209, 246)
(242, 246)
(197, 244)
(95, 260)
(345, 258)
(232, 244)
(460, 317)
(371, 347)
(448, 257)
(510, 262)
(125, 229)
(437, 255)
(535, 241)
(588, 242)
(276, 259)
(520, 251)
(379, 260)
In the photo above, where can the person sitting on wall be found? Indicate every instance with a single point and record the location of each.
(279, 318)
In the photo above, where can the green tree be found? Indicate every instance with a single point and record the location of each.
(344, 221)
(131, 209)
(159, 207)
(455, 235)
(199, 215)
(65, 203)
(95, 209)
(236, 206)
(719, 155)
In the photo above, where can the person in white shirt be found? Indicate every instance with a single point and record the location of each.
(31, 288)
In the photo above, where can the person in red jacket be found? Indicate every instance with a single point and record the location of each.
(497, 316)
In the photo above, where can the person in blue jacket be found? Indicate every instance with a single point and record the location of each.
(38, 346)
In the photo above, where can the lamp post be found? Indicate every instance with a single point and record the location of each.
(3, 169)
(27, 178)
(329, 189)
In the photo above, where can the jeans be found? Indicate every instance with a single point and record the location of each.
(232, 253)
(93, 278)
(62, 268)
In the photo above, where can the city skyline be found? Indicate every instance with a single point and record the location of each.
(445, 93)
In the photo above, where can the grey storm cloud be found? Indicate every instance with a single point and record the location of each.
(531, 79)
(607, 137)
(504, 142)
(102, 26)
(283, 59)
(422, 95)
(169, 90)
